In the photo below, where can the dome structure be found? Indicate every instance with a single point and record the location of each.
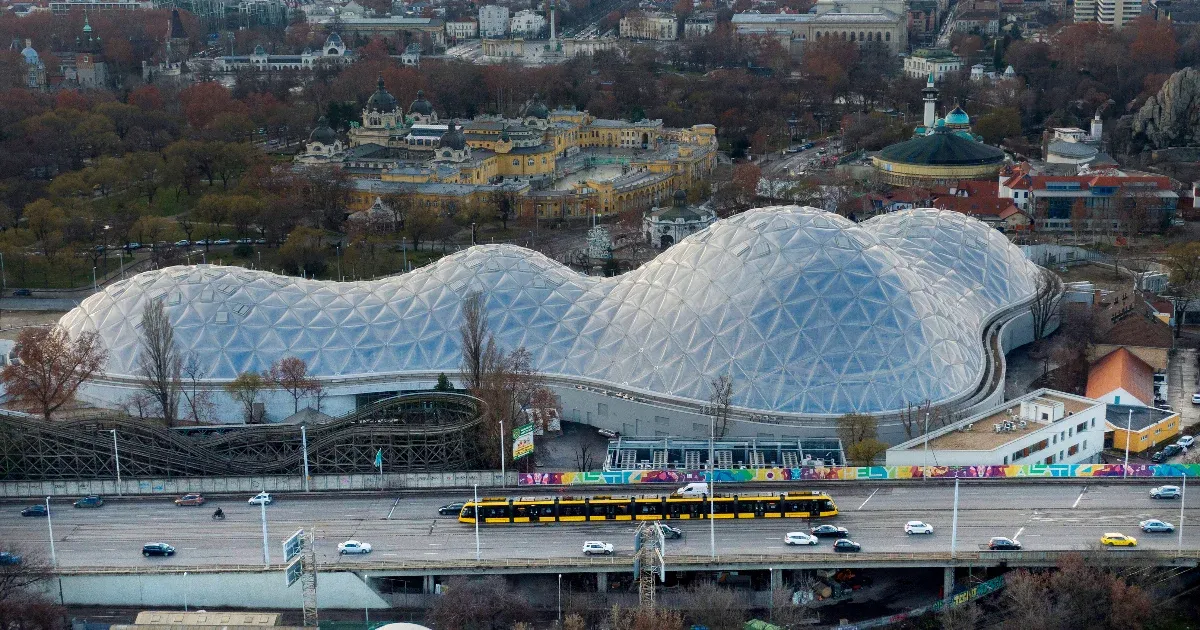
(30, 55)
(537, 109)
(323, 133)
(808, 312)
(382, 100)
(958, 119)
(940, 158)
(422, 105)
(453, 138)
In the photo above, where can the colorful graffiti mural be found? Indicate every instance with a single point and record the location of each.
(853, 473)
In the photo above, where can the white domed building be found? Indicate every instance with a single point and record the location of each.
(324, 146)
(812, 316)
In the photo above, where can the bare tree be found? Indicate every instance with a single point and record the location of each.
(478, 344)
(291, 375)
(960, 617)
(480, 604)
(644, 619)
(159, 363)
(860, 438)
(714, 607)
(583, 456)
(1183, 264)
(720, 396)
(913, 418)
(18, 579)
(51, 367)
(1045, 300)
(199, 401)
(245, 389)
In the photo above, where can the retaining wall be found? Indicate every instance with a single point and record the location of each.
(258, 590)
(252, 485)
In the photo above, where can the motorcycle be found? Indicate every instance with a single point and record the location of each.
(218, 515)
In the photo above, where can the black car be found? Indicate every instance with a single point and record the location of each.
(34, 510)
(1172, 450)
(7, 557)
(829, 530)
(846, 545)
(157, 549)
(450, 510)
(22, 293)
(1158, 457)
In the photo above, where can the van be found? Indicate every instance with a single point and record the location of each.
(698, 489)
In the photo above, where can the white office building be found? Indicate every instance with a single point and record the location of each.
(466, 29)
(1042, 427)
(1114, 13)
(493, 21)
(527, 23)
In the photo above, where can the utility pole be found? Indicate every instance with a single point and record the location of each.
(308, 577)
(648, 545)
(954, 521)
(117, 460)
(262, 503)
(1128, 424)
(304, 451)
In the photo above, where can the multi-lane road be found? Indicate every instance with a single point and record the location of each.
(1054, 516)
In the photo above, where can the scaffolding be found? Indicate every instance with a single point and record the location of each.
(648, 560)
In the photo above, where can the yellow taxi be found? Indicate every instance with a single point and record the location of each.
(1114, 539)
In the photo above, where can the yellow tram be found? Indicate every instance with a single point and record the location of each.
(566, 509)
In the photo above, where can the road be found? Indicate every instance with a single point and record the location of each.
(1058, 516)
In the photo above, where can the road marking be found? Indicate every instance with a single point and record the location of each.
(1079, 498)
(431, 553)
(110, 550)
(185, 549)
(391, 554)
(394, 504)
(1018, 533)
(868, 499)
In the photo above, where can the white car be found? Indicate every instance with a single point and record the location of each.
(917, 527)
(1196, 398)
(800, 538)
(353, 546)
(1186, 441)
(263, 498)
(595, 546)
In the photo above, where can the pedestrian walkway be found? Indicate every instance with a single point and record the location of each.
(1182, 382)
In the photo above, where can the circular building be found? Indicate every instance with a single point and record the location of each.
(811, 315)
(938, 159)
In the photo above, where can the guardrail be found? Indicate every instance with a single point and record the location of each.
(625, 563)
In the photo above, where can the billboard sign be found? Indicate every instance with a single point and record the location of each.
(292, 572)
(292, 545)
(522, 441)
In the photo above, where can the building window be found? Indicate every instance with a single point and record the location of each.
(516, 162)
(887, 37)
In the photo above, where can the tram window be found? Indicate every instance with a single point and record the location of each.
(793, 506)
(722, 507)
(468, 512)
(826, 505)
(571, 510)
(494, 512)
(622, 509)
(649, 508)
(521, 511)
(696, 509)
(543, 510)
(771, 506)
(673, 510)
(600, 511)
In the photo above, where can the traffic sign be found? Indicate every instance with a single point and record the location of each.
(292, 573)
(293, 545)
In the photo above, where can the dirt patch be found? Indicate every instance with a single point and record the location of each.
(11, 322)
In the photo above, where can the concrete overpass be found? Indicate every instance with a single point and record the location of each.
(98, 551)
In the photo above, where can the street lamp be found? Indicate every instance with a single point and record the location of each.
(1128, 424)
(560, 600)
(262, 503)
(1182, 500)
(185, 591)
(712, 486)
(925, 468)
(954, 521)
(53, 556)
(477, 517)
(117, 460)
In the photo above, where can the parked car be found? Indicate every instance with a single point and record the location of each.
(1165, 492)
(1186, 441)
(89, 502)
(353, 546)
(800, 538)
(596, 546)
(1159, 457)
(34, 510)
(157, 549)
(450, 509)
(244, 241)
(846, 545)
(829, 530)
(261, 497)
(1156, 526)
(7, 557)
(182, 243)
(1171, 450)
(1195, 397)
(670, 533)
(918, 527)
(1000, 543)
(1115, 539)
(27, 293)
(190, 499)
(221, 241)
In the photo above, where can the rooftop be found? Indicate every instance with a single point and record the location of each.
(1121, 369)
(982, 434)
(1135, 417)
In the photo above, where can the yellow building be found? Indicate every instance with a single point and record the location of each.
(1143, 428)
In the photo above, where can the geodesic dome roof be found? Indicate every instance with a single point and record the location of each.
(808, 312)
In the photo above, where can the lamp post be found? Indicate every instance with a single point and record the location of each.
(925, 467)
(185, 591)
(50, 524)
(304, 451)
(712, 486)
(1128, 424)
(117, 460)
(954, 521)
(560, 600)
(262, 503)
(1182, 500)
(503, 478)
(477, 517)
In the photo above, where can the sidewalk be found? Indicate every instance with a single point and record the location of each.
(1182, 382)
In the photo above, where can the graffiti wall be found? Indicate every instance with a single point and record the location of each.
(852, 473)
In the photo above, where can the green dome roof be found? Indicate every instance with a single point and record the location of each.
(958, 117)
(942, 149)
